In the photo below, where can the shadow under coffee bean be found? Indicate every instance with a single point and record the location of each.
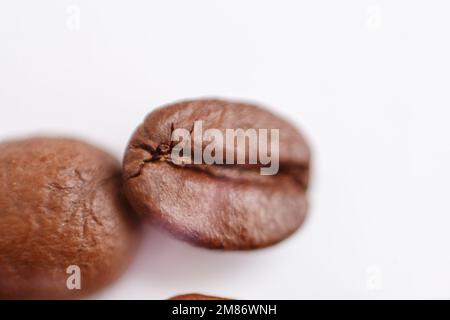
(228, 206)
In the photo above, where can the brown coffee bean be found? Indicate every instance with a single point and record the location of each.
(61, 208)
(230, 206)
(196, 296)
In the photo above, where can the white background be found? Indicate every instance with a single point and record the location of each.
(367, 81)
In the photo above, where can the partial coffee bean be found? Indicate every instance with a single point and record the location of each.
(229, 206)
(196, 296)
(65, 228)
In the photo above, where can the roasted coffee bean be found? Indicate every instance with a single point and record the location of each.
(230, 205)
(196, 296)
(65, 227)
